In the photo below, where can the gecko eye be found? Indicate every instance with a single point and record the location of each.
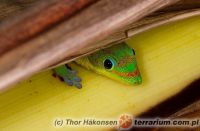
(108, 63)
(133, 51)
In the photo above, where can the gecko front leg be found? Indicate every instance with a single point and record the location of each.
(68, 75)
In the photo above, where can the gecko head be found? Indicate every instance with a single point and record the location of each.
(124, 70)
(119, 62)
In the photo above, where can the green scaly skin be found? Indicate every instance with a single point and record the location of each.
(117, 62)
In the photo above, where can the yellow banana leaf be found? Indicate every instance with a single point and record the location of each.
(168, 58)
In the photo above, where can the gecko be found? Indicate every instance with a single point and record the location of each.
(117, 62)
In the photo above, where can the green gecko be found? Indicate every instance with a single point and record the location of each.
(117, 62)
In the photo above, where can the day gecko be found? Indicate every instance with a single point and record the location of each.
(117, 62)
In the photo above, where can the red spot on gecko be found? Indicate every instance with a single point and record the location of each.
(129, 74)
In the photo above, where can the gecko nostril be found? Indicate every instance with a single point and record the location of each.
(133, 51)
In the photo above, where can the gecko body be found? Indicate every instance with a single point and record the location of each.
(117, 62)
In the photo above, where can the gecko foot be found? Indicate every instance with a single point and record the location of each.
(69, 76)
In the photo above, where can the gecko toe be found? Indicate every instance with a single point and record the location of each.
(77, 79)
(78, 85)
(68, 75)
(68, 81)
